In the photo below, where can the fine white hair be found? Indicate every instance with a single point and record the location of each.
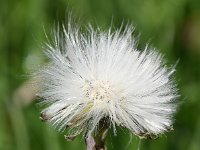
(101, 75)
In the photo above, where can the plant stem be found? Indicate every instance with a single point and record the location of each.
(100, 137)
(98, 140)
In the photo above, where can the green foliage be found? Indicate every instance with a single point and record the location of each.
(172, 26)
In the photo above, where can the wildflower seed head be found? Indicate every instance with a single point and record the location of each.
(103, 76)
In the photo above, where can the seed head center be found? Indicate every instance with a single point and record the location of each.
(97, 91)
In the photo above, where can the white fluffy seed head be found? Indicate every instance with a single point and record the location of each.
(102, 76)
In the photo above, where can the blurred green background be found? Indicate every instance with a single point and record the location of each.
(172, 26)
